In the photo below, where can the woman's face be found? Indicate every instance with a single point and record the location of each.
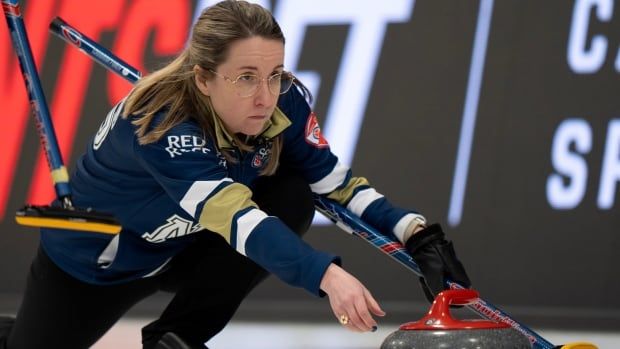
(255, 55)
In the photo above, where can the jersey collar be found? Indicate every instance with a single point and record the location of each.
(274, 126)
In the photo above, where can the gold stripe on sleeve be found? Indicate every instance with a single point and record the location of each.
(218, 212)
(344, 195)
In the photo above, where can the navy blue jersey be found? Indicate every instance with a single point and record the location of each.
(164, 193)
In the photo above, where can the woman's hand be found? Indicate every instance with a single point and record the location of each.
(351, 302)
(437, 261)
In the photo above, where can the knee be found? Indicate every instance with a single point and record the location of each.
(287, 197)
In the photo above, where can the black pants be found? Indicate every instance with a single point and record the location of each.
(209, 280)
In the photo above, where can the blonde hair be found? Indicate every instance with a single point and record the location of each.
(173, 86)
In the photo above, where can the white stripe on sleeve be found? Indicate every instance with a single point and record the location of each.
(330, 182)
(363, 199)
(400, 229)
(197, 193)
(245, 226)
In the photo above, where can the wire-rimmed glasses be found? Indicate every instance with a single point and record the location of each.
(247, 84)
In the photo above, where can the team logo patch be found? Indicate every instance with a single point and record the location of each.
(257, 162)
(261, 156)
(313, 133)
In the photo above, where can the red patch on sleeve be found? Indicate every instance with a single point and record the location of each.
(313, 132)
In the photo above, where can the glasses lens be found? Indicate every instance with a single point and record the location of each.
(246, 84)
(274, 82)
(285, 83)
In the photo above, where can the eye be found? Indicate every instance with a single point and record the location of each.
(247, 78)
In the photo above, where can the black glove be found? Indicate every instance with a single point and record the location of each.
(437, 260)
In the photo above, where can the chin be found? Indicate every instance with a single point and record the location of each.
(253, 130)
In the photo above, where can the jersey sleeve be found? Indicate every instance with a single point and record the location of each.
(308, 152)
(194, 175)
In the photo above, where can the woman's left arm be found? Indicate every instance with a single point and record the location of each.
(306, 151)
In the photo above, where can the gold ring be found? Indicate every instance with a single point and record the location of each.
(344, 319)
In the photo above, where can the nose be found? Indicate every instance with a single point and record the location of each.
(263, 96)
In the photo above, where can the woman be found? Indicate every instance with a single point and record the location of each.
(210, 165)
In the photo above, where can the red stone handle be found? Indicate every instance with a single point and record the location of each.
(439, 317)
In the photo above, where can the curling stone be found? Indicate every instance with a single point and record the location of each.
(439, 330)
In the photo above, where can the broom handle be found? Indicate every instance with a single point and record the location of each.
(45, 127)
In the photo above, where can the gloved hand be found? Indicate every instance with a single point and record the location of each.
(437, 260)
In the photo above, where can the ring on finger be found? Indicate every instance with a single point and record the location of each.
(344, 319)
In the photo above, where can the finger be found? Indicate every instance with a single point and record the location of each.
(373, 306)
(367, 322)
(348, 323)
(355, 322)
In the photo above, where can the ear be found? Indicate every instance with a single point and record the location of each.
(200, 80)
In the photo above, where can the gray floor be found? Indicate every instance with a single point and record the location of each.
(250, 335)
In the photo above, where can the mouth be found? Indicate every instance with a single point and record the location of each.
(258, 117)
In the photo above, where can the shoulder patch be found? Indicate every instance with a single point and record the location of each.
(313, 132)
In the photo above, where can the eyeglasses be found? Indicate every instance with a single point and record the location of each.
(246, 85)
